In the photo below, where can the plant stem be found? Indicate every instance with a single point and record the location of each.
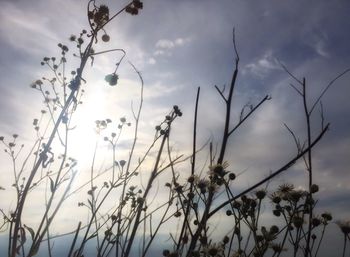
(148, 188)
(284, 168)
(309, 168)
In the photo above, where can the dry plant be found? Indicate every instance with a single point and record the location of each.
(131, 225)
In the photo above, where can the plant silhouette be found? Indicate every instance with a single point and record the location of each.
(123, 219)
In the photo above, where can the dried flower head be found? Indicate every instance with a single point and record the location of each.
(285, 188)
(232, 176)
(112, 79)
(203, 185)
(101, 16)
(344, 226)
(327, 216)
(277, 247)
(297, 221)
(213, 250)
(260, 194)
(72, 38)
(314, 188)
(122, 163)
(105, 38)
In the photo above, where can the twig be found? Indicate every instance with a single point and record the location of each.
(285, 167)
(327, 87)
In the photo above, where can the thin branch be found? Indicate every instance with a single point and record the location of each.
(267, 97)
(322, 115)
(234, 44)
(74, 240)
(193, 165)
(296, 141)
(289, 73)
(285, 167)
(327, 87)
(221, 93)
(295, 88)
(195, 133)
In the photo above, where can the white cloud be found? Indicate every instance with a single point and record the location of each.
(165, 43)
(159, 52)
(263, 65)
(182, 41)
(169, 44)
(158, 89)
(320, 49)
(19, 28)
(164, 46)
(152, 61)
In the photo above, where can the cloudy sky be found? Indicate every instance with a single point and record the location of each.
(180, 45)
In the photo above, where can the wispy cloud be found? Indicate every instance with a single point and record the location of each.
(263, 65)
(152, 61)
(164, 46)
(165, 43)
(319, 43)
(20, 26)
(169, 44)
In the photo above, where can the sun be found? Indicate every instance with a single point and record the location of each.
(84, 136)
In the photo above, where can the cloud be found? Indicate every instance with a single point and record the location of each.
(319, 43)
(164, 47)
(161, 52)
(262, 66)
(164, 43)
(20, 26)
(152, 61)
(168, 44)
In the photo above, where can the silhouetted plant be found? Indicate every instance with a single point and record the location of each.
(193, 200)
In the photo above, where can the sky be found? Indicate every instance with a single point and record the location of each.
(179, 46)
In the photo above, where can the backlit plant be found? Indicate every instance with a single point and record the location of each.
(123, 219)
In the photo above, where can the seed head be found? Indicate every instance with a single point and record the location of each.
(314, 188)
(344, 226)
(260, 194)
(105, 38)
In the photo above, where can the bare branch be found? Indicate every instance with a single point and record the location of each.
(290, 74)
(234, 44)
(274, 174)
(327, 87)
(296, 141)
(298, 91)
(252, 110)
(221, 93)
